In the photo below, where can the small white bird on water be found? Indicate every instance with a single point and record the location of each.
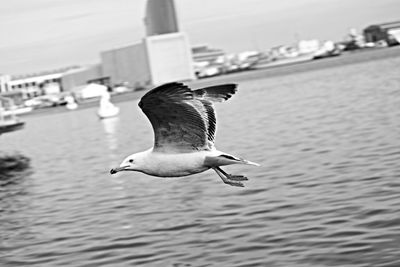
(184, 127)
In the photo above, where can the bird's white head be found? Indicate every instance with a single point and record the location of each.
(134, 162)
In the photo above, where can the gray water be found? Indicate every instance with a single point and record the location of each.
(327, 192)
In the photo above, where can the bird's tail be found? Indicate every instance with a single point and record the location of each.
(247, 162)
(225, 159)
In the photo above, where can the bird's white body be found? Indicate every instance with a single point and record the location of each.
(178, 164)
(171, 165)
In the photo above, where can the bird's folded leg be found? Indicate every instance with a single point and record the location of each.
(230, 179)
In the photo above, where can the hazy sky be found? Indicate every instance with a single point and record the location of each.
(45, 34)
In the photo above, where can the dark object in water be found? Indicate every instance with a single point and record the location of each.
(13, 163)
(9, 127)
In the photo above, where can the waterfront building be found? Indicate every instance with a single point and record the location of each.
(157, 59)
(83, 75)
(387, 32)
(36, 84)
(33, 84)
(164, 55)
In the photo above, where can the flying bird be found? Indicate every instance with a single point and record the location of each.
(184, 125)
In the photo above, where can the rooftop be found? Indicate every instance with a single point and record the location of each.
(42, 73)
(386, 25)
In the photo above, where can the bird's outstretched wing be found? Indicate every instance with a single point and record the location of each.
(183, 120)
(207, 95)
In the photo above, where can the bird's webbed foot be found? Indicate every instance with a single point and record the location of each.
(233, 180)
(237, 177)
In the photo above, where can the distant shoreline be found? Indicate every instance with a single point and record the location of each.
(354, 57)
(347, 58)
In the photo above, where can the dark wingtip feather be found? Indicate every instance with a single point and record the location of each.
(217, 93)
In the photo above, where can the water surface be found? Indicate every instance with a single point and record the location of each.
(327, 193)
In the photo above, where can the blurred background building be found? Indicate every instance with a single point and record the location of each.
(385, 32)
(164, 55)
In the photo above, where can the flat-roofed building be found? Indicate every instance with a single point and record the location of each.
(164, 55)
(126, 65)
(36, 84)
(83, 75)
(388, 32)
(157, 59)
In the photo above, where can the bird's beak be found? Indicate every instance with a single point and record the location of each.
(118, 169)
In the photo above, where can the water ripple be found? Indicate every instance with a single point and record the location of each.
(326, 194)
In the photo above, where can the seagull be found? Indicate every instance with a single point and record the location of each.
(184, 124)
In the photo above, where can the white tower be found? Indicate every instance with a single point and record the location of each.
(164, 55)
(168, 50)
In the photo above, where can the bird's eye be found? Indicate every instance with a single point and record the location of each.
(131, 161)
